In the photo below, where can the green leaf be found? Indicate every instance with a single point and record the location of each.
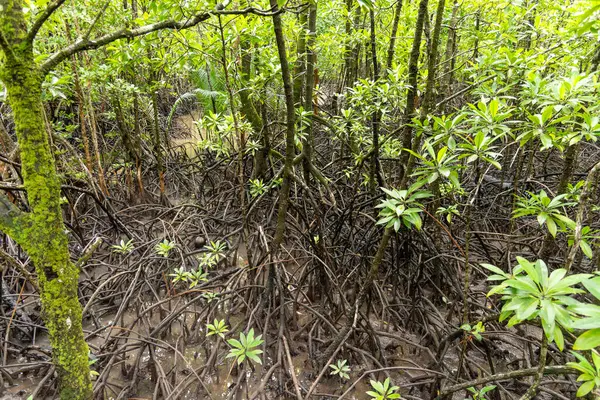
(593, 286)
(551, 226)
(558, 338)
(253, 355)
(377, 386)
(368, 4)
(586, 323)
(529, 268)
(586, 248)
(585, 388)
(588, 340)
(494, 269)
(523, 283)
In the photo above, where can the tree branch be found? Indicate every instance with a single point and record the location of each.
(84, 43)
(556, 370)
(95, 21)
(43, 17)
(13, 263)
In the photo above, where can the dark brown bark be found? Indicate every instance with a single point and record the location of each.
(308, 88)
(284, 193)
(413, 75)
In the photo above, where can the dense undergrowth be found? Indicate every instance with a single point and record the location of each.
(304, 200)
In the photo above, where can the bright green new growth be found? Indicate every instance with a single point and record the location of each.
(246, 347)
(548, 211)
(480, 394)
(402, 208)
(341, 369)
(218, 328)
(123, 247)
(164, 248)
(383, 391)
(590, 374)
(530, 293)
(475, 330)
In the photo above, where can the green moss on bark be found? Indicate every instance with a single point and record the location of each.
(41, 232)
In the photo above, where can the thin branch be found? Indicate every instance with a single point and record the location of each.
(471, 86)
(83, 44)
(583, 200)
(88, 252)
(19, 267)
(43, 17)
(556, 370)
(95, 21)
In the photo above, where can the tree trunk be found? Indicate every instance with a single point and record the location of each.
(250, 112)
(158, 147)
(284, 193)
(375, 177)
(300, 68)
(307, 144)
(429, 97)
(450, 53)
(41, 232)
(413, 74)
(392, 46)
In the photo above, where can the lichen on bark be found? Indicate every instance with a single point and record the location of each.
(41, 231)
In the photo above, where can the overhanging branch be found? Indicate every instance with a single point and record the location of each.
(83, 44)
(43, 17)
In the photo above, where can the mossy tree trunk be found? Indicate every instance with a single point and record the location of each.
(41, 231)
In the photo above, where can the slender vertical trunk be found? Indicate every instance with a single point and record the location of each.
(137, 135)
(413, 75)
(124, 130)
(355, 57)
(307, 144)
(284, 193)
(581, 210)
(300, 68)
(41, 232)
(568, 166)
(375, 177)
(96, 146)
(348, 48)
(362, 294)
(429, 97)
(157, 146)
(476, 45)
(429, 102)
(529, 26)
(531, 392)
(392, 46)
(567, 173)
(81, 111)
(241, 135)
(447, 76)
(250, 112)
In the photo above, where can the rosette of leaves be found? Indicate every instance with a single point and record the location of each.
(530, 293)
(246, 347)
(402, 207)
